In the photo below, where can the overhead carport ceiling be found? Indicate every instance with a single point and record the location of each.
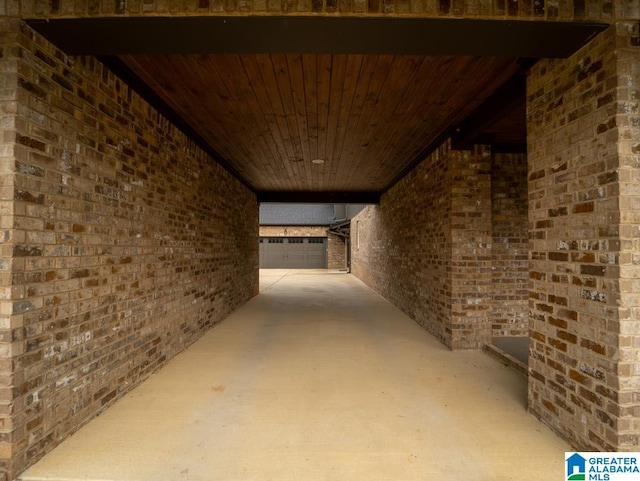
(369, 97)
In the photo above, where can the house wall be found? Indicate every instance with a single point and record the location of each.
(124, 243)
(336, 252)
(570, 99)
(585, 229)
(401, 247)
(336, 247)
(418, 247)
(293, 231)
(449, 246)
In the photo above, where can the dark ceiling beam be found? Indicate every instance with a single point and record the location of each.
(502, 148)
(309, 197)
(307, 34)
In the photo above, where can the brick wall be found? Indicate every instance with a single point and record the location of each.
(540, 9)
(293, 231)
(627, 419)
(401, 248)
(584, 222)
(336, 252)
(128, 243)
(336, 249)
(471, 240)
(510, 248)
(10, 332)
(448, 249)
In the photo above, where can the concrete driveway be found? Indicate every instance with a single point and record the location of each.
(317, 378)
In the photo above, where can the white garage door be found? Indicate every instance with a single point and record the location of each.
(293, 253)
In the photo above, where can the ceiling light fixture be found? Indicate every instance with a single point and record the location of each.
(317, 161)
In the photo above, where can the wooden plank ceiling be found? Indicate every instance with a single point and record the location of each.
(371, 97)
(368, 117)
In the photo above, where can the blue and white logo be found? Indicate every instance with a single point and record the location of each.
(602, 466)
(576, 467)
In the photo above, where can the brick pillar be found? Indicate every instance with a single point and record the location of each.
(336, 252)
(627, 408)
(510, 251)
(584, 240)
(471, 237)
(10, 318)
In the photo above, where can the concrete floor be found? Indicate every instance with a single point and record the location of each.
(316, 379)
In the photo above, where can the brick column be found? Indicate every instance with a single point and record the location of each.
(626, 410)
(10, 318)
(471, 238)
(510, 252)
(584, 231)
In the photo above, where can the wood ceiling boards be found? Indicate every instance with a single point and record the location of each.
(371, 97)
(366, 116)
